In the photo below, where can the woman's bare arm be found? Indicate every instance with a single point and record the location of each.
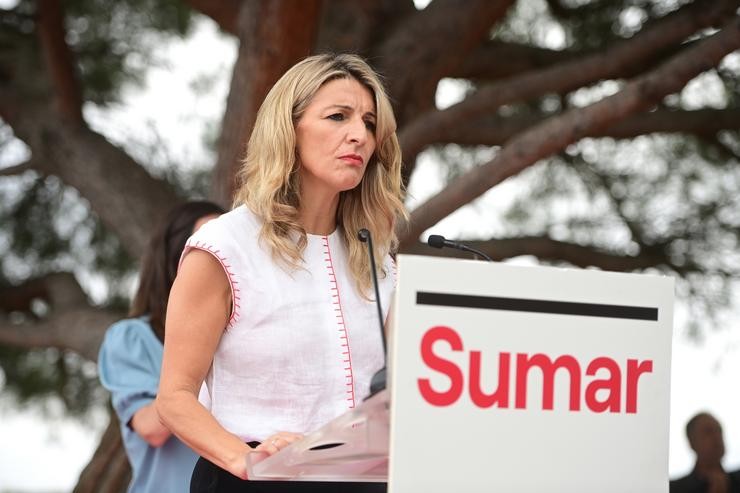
(198, 311)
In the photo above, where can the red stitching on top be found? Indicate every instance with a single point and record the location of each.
(235, 291)
(343, 335)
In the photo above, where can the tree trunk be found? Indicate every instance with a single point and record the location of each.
(273, 35)
(108, 471)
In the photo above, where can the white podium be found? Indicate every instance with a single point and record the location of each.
(508, 378)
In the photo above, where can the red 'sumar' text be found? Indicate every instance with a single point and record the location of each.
(609, 399)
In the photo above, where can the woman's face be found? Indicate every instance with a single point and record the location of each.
(335, 137)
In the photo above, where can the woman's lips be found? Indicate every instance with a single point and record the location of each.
(354, 159)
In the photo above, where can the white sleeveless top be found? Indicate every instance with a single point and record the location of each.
(300, 347)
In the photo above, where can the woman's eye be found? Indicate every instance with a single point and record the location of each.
(370, 125)
(336, 117)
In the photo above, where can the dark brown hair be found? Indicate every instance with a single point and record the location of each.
(159, 264)
(692, 424)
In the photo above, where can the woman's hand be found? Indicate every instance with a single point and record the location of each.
(274, 443)
(147, 425)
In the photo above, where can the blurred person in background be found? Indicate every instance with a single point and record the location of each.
(131, 357)
(705, 438)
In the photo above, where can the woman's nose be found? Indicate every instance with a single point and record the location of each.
(357, 131)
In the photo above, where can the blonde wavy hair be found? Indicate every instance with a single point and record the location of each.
(270, 184)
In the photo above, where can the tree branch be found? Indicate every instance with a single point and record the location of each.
(723, 148)
(554, 134)
(613, 63)
(563, 12)
(273, 36)
(547, 249)
(593, 179)
(17, 169)
(59, 289)
(450, 29)
(493, 131)
(498, 60)
(224, 12)
(59, 61)
(78, 330)
(697, 122)
(71, 323)
(125, 197)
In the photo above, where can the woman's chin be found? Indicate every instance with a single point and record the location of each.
(351, 186)
(349, 183)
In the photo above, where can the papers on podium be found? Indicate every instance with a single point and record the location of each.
(352, 447)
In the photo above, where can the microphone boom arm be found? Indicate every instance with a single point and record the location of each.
(439, 241)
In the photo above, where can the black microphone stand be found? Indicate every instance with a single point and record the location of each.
(378, 382)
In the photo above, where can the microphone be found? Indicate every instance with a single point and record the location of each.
(439, 241)
(377, 383)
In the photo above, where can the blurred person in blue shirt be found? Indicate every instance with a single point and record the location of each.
(130, 359)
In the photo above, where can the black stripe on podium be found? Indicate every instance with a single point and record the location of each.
(537, 306)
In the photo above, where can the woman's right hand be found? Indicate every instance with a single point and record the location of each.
(274, 443)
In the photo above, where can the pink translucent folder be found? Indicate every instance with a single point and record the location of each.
(352, 447)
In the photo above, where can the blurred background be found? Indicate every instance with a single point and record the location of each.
(580, 133)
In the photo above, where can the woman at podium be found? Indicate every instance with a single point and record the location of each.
(272, 307)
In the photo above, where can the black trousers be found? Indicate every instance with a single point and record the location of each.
(209, 478)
